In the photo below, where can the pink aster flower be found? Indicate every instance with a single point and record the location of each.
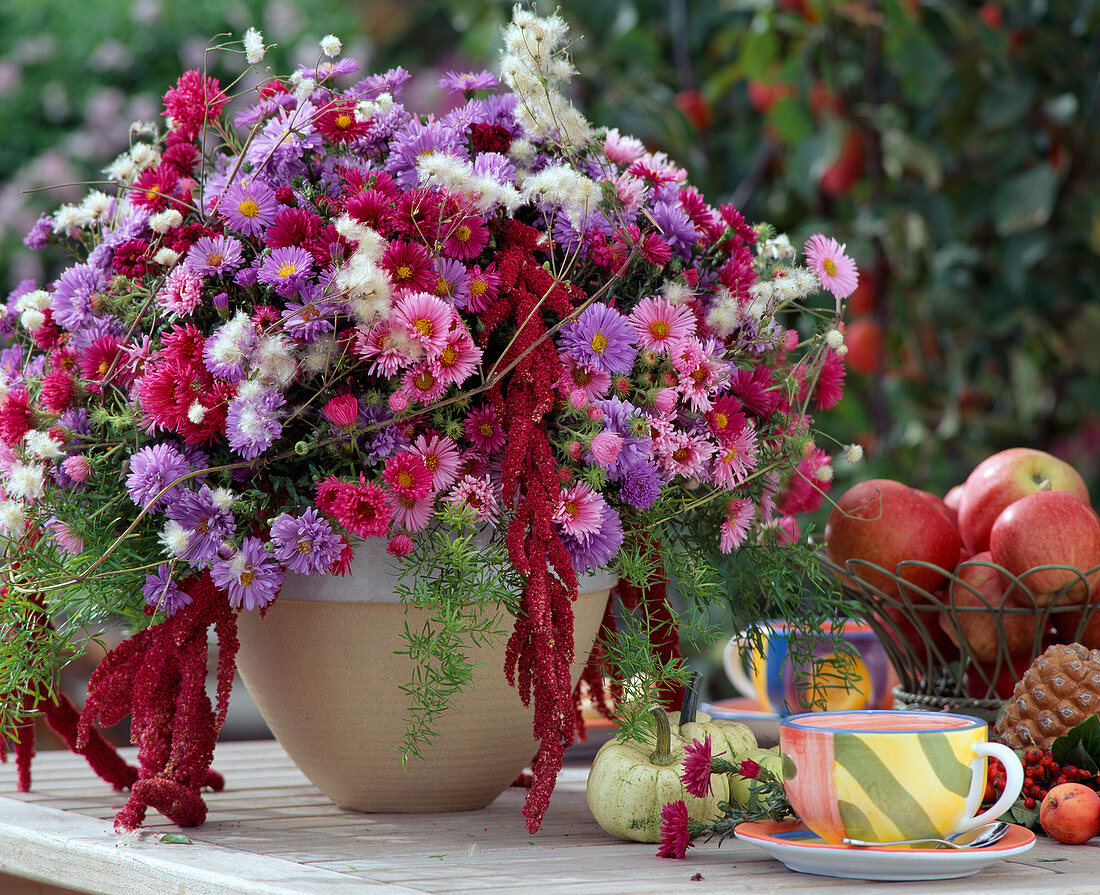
(181, 292)
(440, 455)
(376, 344)
(419, 383)
(701, 373)
(458, 359)
(484, 430)
(835, 270)
(661, 325)
(606, 447)
(413, 514)
(407, 475)
(477, 494)
(581, 383)
(581, 511)
(735, 527)
(65, 538)
(410, 266)
(482, 286)
(675, 835)
(425, 319)
(466, 237)
(194, 100)
(342, 411)
(725, 419)
(76, 467)
(683, 455)
(696, 772)
(735, 459)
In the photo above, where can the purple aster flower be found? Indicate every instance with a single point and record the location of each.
(313, 315)
(246, 277)
(11, 362)
(38, 237)
(597, 549)
(286, 138)
(161, 592)
(675, 226)
(229, 347)
(214, 255)
(496, 166)
(464, 82)
(373, 86)
(207, 514)
(252, 576)
(330, 68)
(72, 296)
(452, 282)
(76, 421)
(286, 269)
(497, 108)
(307, 544)
(249, 206)
(252, 424)
(625, 420)
(602, 338)
(415, 140)
(641, 485)
(151, 470)
(265, 107)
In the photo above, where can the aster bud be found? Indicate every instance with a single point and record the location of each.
(302, 448)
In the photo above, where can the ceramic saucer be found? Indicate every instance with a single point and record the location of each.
(804, 851)
(764, 725)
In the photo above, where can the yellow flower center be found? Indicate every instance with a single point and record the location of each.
(659, 329)
(286, 269)
(152, 192)
(699, 376)
(485, 429)
(581, 377)
(432, 462)
(405, 479)
(478, 287)
(830, 266)
(571, 509)
(449, 356)
(442, 287)
(680, 454)
(404, 272)
(720, 421)
(424, 381)
(246, 577)
(599, 343)
(304, 546)
(248, 208)
(215, 259)
(344, 121)
(310, 313)
(462, 233)
(424, 327)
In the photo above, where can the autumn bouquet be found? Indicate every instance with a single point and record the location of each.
(302, 315)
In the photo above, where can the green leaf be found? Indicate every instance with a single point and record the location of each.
(1025, 817)
(1025, 202)
(1080, 746)
(175, 839)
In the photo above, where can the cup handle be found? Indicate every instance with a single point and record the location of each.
(735, 670)
(1014, 782)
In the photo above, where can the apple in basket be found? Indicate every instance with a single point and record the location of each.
(886, 522)
(1049, 528)
(977, 592)
(1003, 478)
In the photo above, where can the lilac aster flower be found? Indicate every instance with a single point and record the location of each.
(417, 139)
(602, 338)
(207, 514)
(38, 237)
(307, 544)
(464, 82)
(286, 138)
(452, 281)
(497, 108)
(229, 347)
(72, 297)
(373, 86)
(676, 227)
(246, 277)
(286, 269)
(249, 207)
(330, 68)
(252, 576)
(151, 469)
(641, 485)
(313, 315)
(161, 592)
(594, 551)
(252, 424)
(11, 362)
(214, 255)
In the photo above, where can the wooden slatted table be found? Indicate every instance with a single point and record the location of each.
(272, 833)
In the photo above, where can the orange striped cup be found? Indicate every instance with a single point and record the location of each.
(883, 775)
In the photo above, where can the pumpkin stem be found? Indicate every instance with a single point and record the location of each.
(662, 755)
(691, 699)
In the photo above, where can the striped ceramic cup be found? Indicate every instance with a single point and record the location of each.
(882, 775)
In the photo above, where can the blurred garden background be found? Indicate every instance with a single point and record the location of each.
(951, 145)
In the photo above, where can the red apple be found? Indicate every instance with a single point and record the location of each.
(1049, 528)
(1004, 478)
(885, 522)
(985, 677)
(940, 504)
(978, 597)
(918, 636)
(952, 498)
(1069, 627)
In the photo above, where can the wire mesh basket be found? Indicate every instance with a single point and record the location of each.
(956, 648)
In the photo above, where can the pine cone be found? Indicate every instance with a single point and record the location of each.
(1059, 691)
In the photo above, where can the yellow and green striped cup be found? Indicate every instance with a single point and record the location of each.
(883, 775)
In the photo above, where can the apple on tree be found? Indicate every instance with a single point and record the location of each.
(1002, 479)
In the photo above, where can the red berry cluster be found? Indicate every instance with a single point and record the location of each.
(1041, 774)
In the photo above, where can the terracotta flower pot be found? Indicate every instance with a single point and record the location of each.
(326, 678)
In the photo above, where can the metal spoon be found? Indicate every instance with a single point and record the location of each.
(975, 838)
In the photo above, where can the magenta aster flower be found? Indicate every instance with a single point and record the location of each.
(400, 545)
(364, 509)
(420, 384)
(440, 455)
(835, 270)
(696, 772)
(660, 325)
(735, 459)
(342, 411)
(466, 238)
(251, 577)
(483, 286)
(725, 419)
(749, 768)
(675, 836)
(410, 266)
(602, 338)
(249, 207)
(483, 429)
(407, 475)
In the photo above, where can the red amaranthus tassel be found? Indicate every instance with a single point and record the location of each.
(540, 649)
(159, 676)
